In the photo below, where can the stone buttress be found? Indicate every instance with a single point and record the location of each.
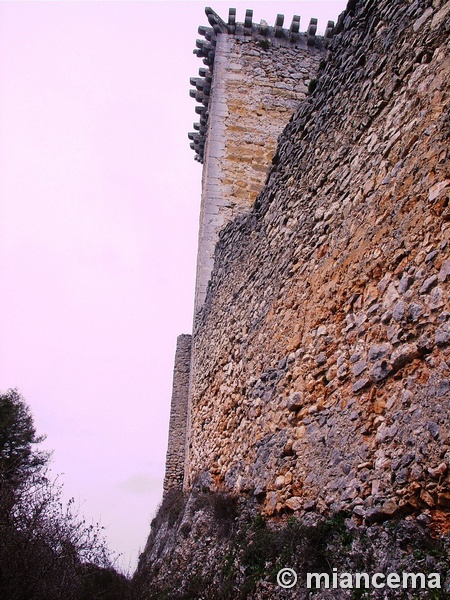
(178, 415)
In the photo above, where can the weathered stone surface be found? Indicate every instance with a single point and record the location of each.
(321, 356)
(294, 503)
(294, 402)
(254, 90)
(380, 371)
(428, 284)
(360, 384)
(403, 355)
(378, 351)
(377, 514)
(399, 311)
(206, 546)
(439, 471)
(444, 499)
(445, 271)
(359, 368)
(442, 337)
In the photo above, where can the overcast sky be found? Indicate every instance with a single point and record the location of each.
(99, 205)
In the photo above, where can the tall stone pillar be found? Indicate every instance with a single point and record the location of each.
(178, 415)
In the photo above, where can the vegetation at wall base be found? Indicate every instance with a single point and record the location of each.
(217, 546)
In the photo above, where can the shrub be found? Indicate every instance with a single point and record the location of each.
(171, 507)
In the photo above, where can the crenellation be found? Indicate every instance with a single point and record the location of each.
(294, 29)
(261, 34)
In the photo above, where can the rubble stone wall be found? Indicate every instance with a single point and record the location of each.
(321, 356)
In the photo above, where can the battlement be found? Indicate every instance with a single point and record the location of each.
(264, 35)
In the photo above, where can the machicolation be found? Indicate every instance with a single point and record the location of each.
(262, 34)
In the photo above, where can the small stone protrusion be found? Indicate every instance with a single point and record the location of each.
(204, 46)
(311, 33)
(328, 33)
(209, 33)
(248, 23)
(294, 28)
(232, 20)
(279, 26)
(214, 19)
(209, 58)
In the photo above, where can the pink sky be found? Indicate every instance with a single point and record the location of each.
(99, 204)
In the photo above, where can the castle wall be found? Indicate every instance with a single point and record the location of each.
(178, 415)
(257, 82)
(321, 358)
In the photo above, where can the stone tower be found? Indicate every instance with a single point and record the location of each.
(254, 77)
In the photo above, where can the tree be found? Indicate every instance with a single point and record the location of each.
(18, 457)
(47, 551)
(45, 544)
